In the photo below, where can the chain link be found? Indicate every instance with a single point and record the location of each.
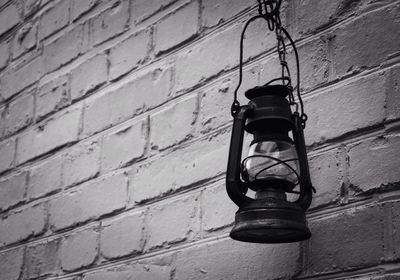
(270, 10)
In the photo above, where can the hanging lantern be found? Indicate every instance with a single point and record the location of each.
(277, 160)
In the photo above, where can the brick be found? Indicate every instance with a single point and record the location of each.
(66, 48)
(12, 190)
(42, 259)
(374, 162)
(132, 271)
(314, 63)
(122, 236)
(124, 146)
(138, 95)
(365, 32)
(52, 96)
(142, 9)
(393, 94)
(4, 54)
(91, 201)
(324, 12)
(25, 39)
(129, 53)
(9, 17)
(216, 12)
(54, 19)
(251, 78)
(170, 31)
(7, 153)
(228, 259)
(19, 113)
(270, 69)
(352, 106)
(216, 101)
(88, 76)
(80, 7)
(218, 210)
(221, 53)
(56, 132)
(346, 241)
(79, 249)
(11, 264)
(31, 6)
(22, 225)
(81, 163)
(173, 222)
(17, 79)
(325, 177)
(395, 229)
(210, 58)
(174, 124)
(184, 167)
(45, 178)
(258, 38)
(110, 23)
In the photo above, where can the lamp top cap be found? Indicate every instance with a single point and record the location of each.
(265, 90)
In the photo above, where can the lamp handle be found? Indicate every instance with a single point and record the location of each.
(234, 185)
(306, 188)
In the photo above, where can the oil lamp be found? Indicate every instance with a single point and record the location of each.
(276, 164)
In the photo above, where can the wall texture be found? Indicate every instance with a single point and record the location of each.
(115, 127)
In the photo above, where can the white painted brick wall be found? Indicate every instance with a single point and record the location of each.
(123, 146)
(65, 48)
(11, 263)
(129, 53)
(52, 96)
(45, 178)
(170, 31)
(9, 17)
(174, 124)
(165, 225)
(111, 22)
(19, 113)
(217, 209)
(12, 190)
(25, 39)
(336, 235)
(54, 19)
(123, 236)
(50, 135)
(81, 163)
(42, 259)
(87, 202)
(88, 76)
(7, 151)
(16, 79)
(79, 249)
(23, 224)
(115, 128)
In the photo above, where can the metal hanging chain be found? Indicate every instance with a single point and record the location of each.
(269, 10)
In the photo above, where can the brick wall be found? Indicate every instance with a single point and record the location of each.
(115, 127)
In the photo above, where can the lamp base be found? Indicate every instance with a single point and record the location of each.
(270, 221)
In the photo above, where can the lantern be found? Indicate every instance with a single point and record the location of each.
(277, 160)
